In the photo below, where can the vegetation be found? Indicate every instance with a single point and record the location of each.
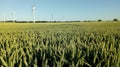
(85, 44)
(99, 20)
(115, 19)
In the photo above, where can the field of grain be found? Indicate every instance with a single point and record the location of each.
(83, 44)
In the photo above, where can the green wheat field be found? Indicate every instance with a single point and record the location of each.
(69, 44)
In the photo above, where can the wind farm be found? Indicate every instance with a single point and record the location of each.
(59, 33)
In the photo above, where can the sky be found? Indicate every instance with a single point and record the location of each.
(60, 10)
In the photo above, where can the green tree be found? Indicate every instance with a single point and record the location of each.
(115, 19)
(99, 20)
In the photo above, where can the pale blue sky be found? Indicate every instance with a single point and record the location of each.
(61, 9)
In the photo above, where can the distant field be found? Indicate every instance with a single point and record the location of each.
(57, 27)
(71, 44)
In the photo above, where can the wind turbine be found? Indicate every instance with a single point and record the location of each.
(4, 18)
(52, 17)
(33, 13)
(13, 14)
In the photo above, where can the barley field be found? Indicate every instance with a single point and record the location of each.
(69, 44)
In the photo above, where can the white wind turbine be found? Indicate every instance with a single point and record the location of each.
(13, 14)
(52, 17)
(4, 19)
(33, 13)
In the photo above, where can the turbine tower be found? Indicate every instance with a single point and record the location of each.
(52, 17)
(4, 19)
(13, 14)
(33, 13)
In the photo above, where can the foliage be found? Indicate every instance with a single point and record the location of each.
(99, 20)
(115, 19)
